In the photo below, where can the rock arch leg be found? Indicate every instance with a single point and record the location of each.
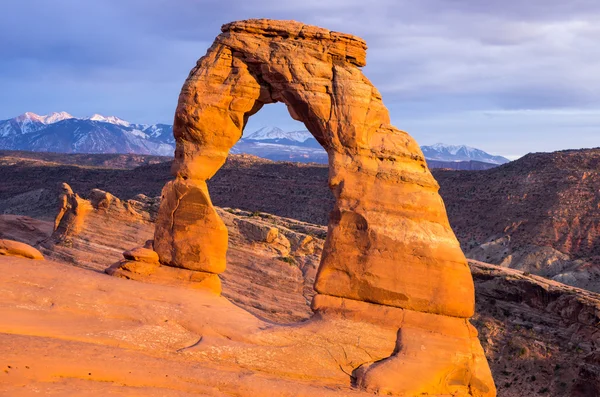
(214, 103)
(389, 249)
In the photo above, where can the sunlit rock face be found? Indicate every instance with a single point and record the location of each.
(16, 248)
(389, 248)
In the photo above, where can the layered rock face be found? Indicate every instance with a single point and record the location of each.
(539, 214)
(389, 243)
(88, 232)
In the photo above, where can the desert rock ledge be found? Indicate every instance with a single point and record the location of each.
(15, 248)
(389, 243)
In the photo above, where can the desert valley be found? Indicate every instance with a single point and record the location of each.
(345, 260)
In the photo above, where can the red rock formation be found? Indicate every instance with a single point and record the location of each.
(15, 248)
(112, 224)
(71, 213)
(142, 264)
(540, 337)
(389, 242)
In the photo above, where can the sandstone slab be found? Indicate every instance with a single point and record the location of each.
(24, 229)
(15, 248)
(155, 273)
(434, 354)
(141, 254)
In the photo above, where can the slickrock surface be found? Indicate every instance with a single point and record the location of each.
(539, 336)
(388, 242)
(24, 229)
(67, 331)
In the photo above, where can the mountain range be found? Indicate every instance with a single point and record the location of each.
(63, 133)
(442, 152)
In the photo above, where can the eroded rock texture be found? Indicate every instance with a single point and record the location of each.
(88, 232)
(389, 241)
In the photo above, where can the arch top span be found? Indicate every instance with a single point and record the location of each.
(313, 71)
(351, 48)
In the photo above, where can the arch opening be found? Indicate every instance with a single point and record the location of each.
(267, 207)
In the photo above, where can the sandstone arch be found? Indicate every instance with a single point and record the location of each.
(389, 241)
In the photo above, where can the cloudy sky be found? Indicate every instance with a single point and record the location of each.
(509, 77)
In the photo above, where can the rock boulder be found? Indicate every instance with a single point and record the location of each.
(15, 248)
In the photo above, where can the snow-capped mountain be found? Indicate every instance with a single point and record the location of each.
(272, 134)
(109, 119)
(443, 152)
(275, 144)
(54, 117)
(30, 122)
(62, 132)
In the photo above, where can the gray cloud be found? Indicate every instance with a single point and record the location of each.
(429, 58)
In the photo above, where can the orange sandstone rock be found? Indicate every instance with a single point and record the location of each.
(15, 248)
(141, 254)
(92, 232)
(389, 241)
(434, 354)
(189, 233)
(153, 272)
(71, 214)
(262, 232)
(142, 264)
